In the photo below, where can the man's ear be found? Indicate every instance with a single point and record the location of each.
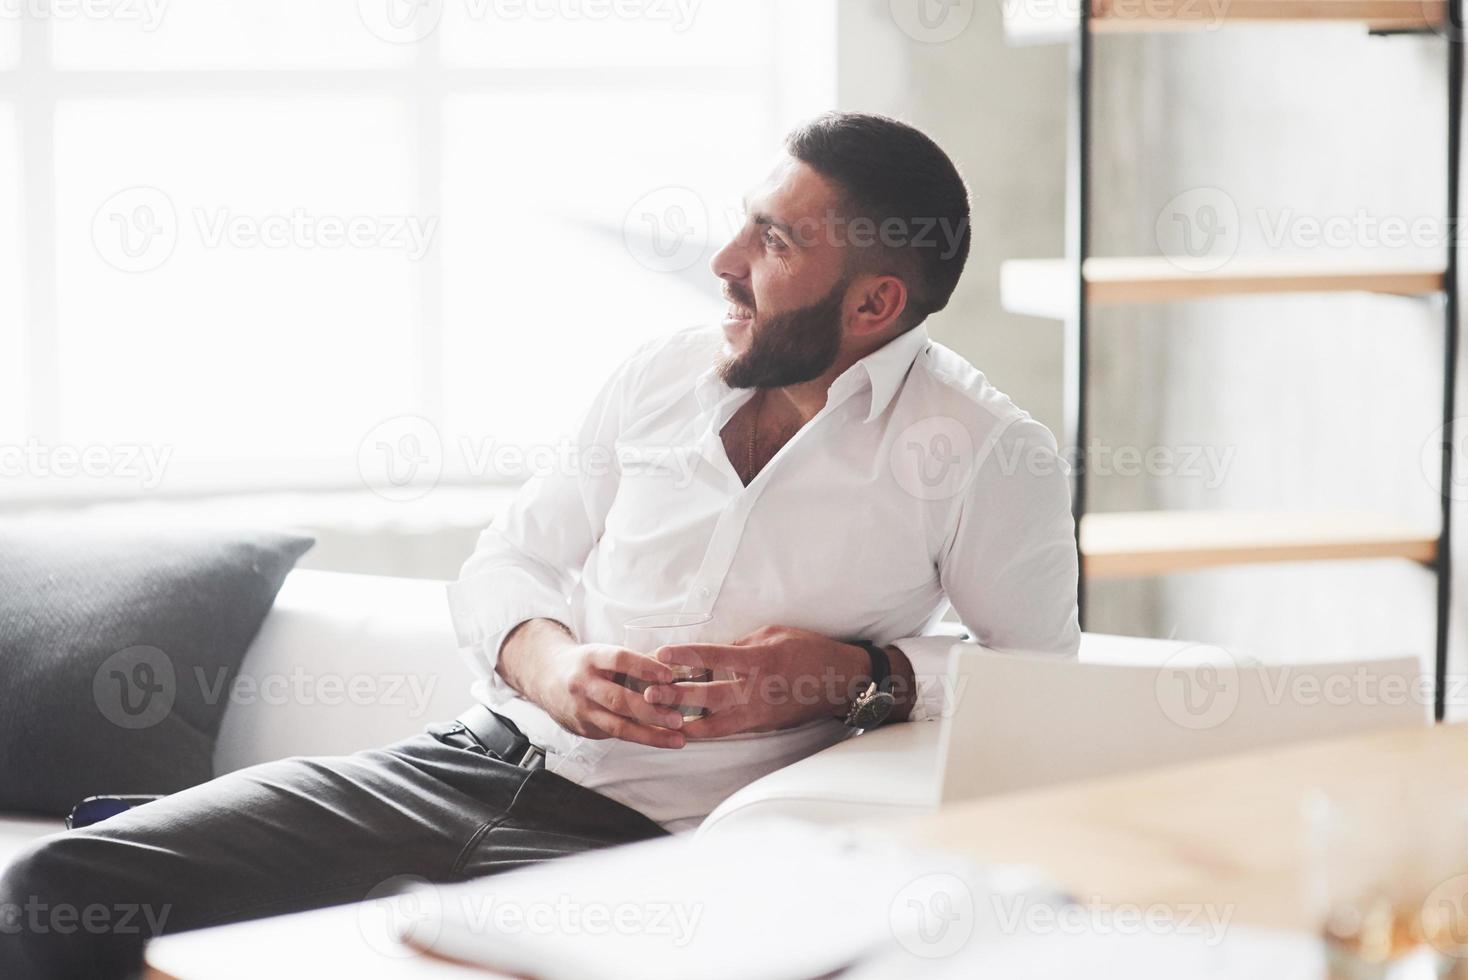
(880, 301)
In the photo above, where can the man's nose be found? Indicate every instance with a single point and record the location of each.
(729, 263)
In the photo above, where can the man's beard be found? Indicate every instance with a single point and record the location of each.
(788, 348)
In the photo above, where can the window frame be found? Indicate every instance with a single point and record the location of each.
(799, 79)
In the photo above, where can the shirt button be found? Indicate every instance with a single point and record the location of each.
(703, 592)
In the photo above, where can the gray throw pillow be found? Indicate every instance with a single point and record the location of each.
(118, 648)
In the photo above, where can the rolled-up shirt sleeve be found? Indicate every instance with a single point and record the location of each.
(525, 565)
(1009, 565)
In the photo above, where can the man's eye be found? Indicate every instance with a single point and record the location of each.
(773, 240)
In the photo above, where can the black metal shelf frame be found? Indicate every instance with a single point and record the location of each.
(1077, 340)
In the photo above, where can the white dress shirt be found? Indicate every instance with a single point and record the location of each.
(916, 486)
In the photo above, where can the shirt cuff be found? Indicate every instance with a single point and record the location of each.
(929, 658)
(486, 606)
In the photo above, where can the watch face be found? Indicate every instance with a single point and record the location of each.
(872, 710)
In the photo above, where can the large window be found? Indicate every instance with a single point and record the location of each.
(250, 237)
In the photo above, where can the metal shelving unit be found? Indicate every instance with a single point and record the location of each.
(1156, 543)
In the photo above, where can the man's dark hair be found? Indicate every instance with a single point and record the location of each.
(893, 176)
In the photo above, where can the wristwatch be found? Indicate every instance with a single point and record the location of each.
(871, 706)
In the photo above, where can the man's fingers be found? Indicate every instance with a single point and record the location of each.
(629, 731)
(720, 723)
(619, 660)
(629, 704)
(711, 656)
(713, 695)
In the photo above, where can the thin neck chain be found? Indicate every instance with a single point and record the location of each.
(754, 433)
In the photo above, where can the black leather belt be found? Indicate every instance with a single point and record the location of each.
(481, 730)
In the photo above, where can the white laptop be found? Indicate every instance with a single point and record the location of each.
(1022, 721)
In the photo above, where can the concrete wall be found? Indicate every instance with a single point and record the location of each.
(999, 112)
(1326, 401)
(1316, 402)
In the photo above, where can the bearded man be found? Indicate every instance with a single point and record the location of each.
(842, 481)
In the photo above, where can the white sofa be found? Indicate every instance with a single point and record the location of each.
(345, 662)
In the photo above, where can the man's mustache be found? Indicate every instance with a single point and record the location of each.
(734, 295)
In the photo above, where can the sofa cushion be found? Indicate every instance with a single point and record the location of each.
(17, 833)
(344, 662)
(118, 647)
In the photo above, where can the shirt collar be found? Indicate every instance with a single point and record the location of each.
(883, 370)
(710, 388)
(887, 366)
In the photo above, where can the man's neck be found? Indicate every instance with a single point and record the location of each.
(809, 397)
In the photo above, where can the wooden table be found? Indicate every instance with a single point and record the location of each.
(1227, 833)
(1230, 831)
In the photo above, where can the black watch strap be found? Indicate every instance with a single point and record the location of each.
(881, 673)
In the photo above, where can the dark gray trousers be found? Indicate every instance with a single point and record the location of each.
(286, 836)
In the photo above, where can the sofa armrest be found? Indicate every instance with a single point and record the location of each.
(887, 772)
(343, 662)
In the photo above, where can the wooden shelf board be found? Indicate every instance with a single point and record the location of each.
(1038, 22)
(1045, 287)
(1135, 544)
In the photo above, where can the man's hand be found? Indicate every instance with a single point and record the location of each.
(574, 683)
(776, 677)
